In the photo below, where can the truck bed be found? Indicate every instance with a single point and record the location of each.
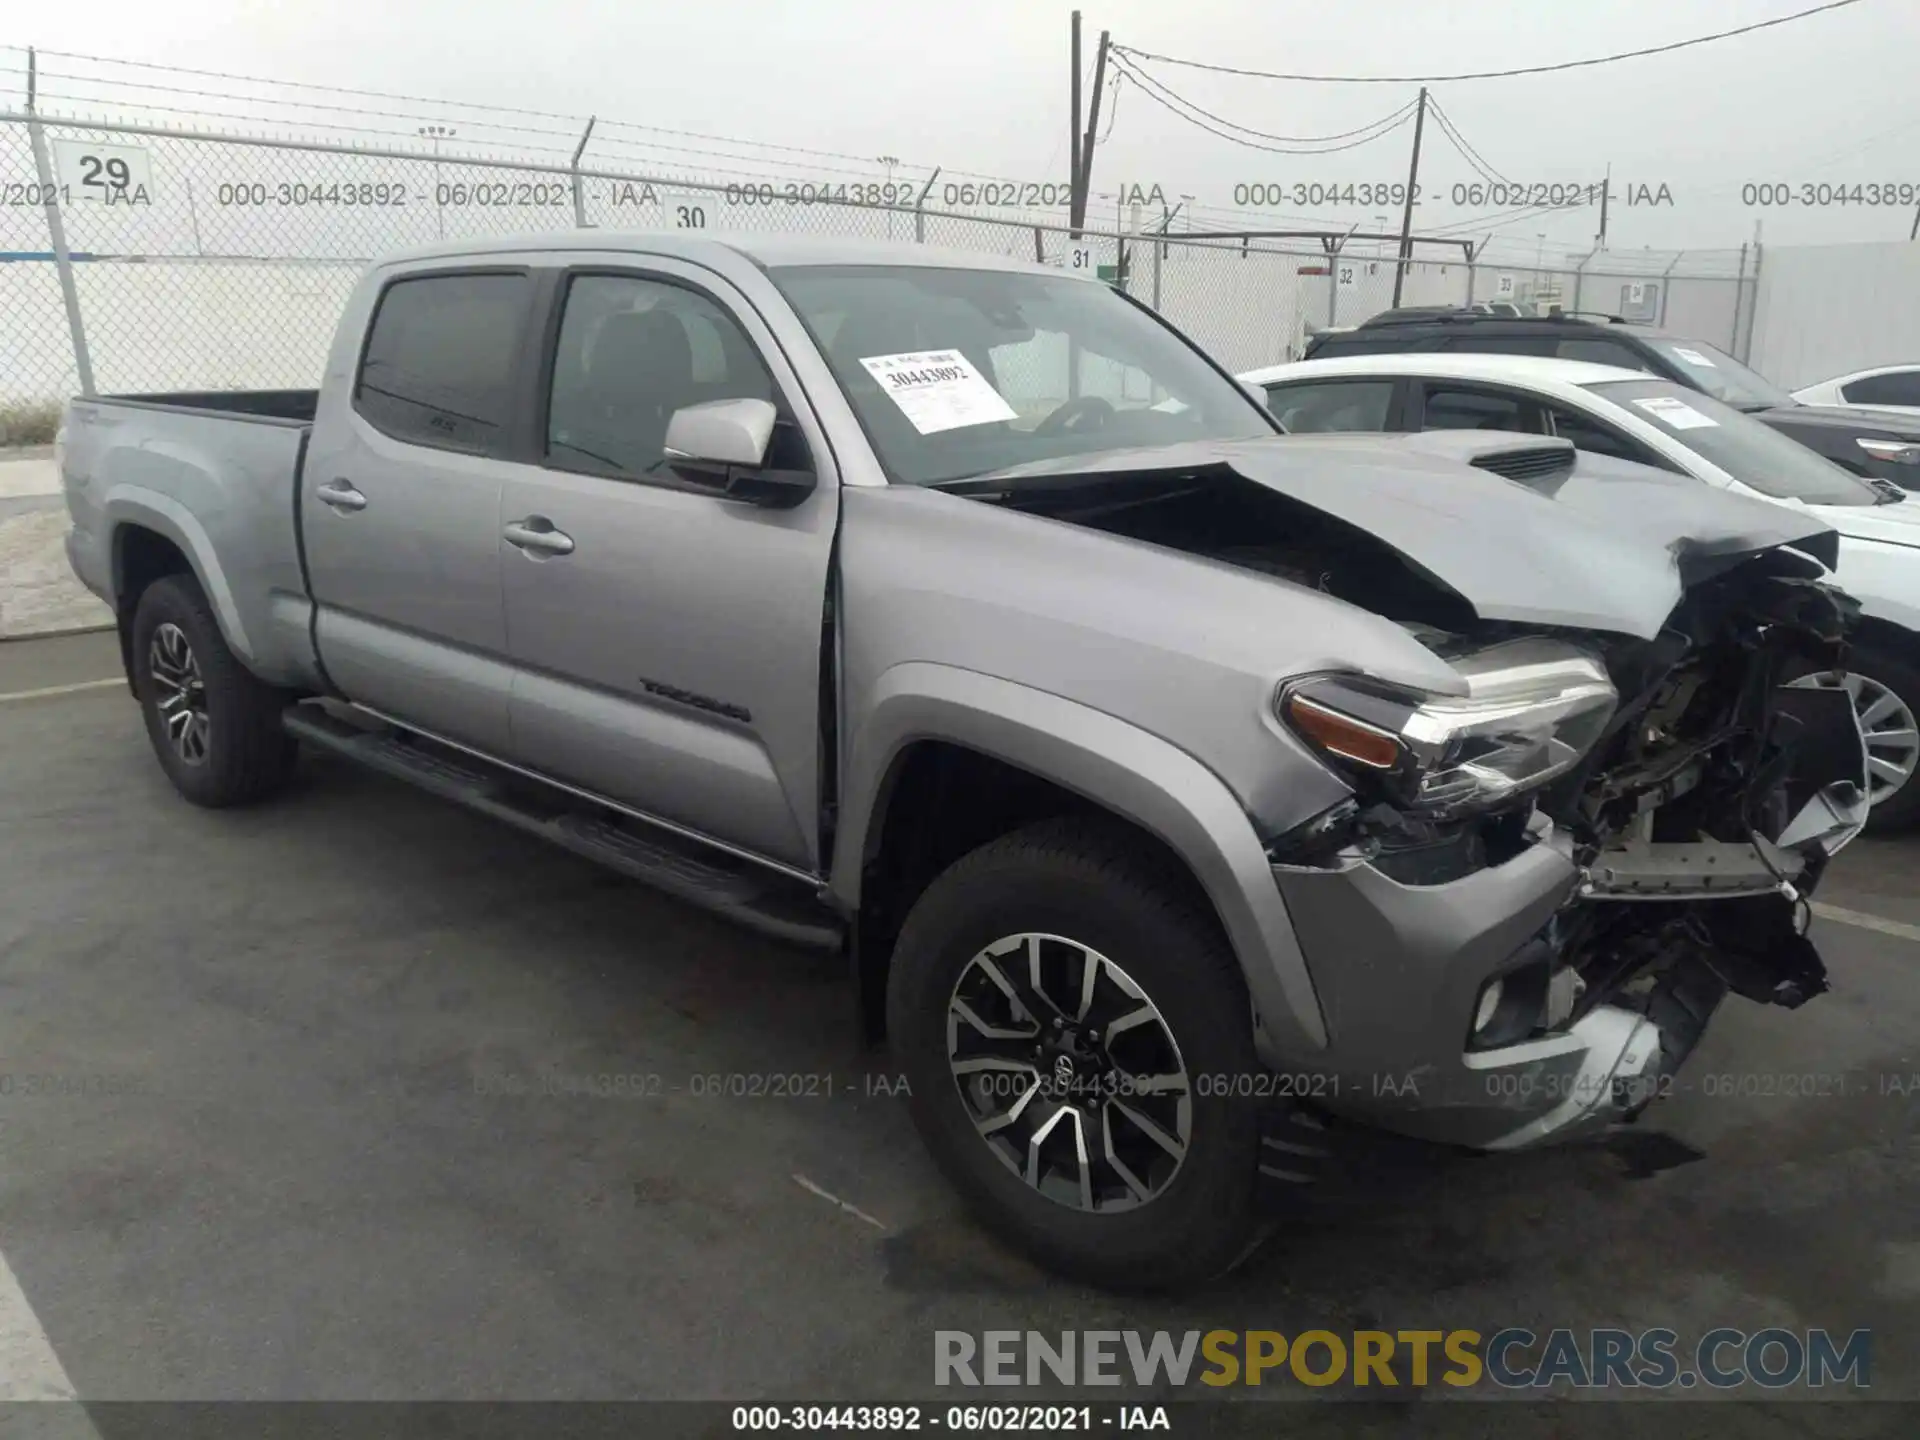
(292, 406)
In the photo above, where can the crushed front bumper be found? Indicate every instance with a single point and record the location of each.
(1400, 970)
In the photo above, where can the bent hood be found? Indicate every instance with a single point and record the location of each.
(1608, 548)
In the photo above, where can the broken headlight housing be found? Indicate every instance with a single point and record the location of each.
(1532, 709)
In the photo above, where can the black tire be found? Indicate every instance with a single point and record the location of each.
(244, 755)
(1900, 810)
(1112, 892)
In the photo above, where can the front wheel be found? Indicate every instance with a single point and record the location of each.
(1067, 1014)
(215, 728)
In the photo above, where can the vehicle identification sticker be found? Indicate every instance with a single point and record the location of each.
(1677, 413)
(938, 390)
(1692, 357)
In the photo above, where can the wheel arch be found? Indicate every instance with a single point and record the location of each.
(1049, 755)
(151, 536)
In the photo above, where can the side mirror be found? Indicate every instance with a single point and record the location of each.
(723, 444)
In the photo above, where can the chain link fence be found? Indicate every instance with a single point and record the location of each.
(209, 261)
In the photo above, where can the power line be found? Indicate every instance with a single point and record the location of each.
(1382, 126)
(1147, 86)
(1472, 156)
(1491, 74)
(1114, 114)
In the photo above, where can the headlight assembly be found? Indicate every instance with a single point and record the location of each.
(1532, 709)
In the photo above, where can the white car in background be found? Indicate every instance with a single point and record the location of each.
(1890, 387)
(1633, 416)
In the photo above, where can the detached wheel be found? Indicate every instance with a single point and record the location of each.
(1886, 696)
(215, 728)
(1062, 1008)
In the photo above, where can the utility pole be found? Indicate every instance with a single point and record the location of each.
(1073, 134)
(1606, 191)
(1083, 172)
(1406, 213)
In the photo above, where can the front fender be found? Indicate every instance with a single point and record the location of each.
(1884, 578)
(1118, 766)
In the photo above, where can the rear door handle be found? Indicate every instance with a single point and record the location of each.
(341, 496)
(536, 533)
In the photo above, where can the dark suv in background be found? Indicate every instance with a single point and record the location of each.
(1868, 442)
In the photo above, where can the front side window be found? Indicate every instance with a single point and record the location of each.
(957, 373)
(1590, 435)
(438, 366)
(1306, 407)
(632, 351)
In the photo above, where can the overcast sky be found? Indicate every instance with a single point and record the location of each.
(982, 87)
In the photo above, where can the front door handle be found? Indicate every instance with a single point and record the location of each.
(341, 496)
(536, 533)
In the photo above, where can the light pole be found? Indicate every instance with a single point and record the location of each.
(437, 133)
(891, 162)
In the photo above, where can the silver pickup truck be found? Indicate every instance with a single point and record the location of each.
(1179, 792)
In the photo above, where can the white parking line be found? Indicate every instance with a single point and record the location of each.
(29, 1370)
(1840, 915)
(74, 689)
(854, 1210)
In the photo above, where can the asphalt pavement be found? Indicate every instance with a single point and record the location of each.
(258, 1138)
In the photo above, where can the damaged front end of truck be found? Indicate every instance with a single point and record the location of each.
(1543, 882)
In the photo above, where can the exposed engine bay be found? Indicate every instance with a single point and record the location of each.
(1698, 794)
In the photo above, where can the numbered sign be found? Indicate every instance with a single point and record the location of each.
(1637, 293)
(1503, 287)
(1347, 275)
(105, 174)
(690, 210)
(1080, 259)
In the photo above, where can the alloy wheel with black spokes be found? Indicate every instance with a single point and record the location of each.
(1058, 999)
(1070, 1072)
(214, 725)
(181, 693)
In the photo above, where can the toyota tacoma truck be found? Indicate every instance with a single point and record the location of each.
(1178, 791)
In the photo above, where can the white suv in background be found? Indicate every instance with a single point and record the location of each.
(1629, 415)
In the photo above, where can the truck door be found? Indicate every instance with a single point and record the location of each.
(400, 502)
(667, 642)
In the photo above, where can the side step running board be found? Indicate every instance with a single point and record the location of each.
(741, 891)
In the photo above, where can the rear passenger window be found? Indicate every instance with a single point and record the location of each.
(633, 351)
(1479, 410)
(438, 367)
(1603, 352)
(1472, 344)
(1900, 388)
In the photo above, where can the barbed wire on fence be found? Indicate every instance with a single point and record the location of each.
(205, 259)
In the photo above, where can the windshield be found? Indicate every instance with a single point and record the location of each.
(955, 373)
(1720, 375)
(1749, 450)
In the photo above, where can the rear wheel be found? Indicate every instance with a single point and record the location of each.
(1885, 691)
(1065, 1010)
(215, 728)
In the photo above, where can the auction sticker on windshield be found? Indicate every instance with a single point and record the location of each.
(1676, 413)
(938, 390)
(1693, 357)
